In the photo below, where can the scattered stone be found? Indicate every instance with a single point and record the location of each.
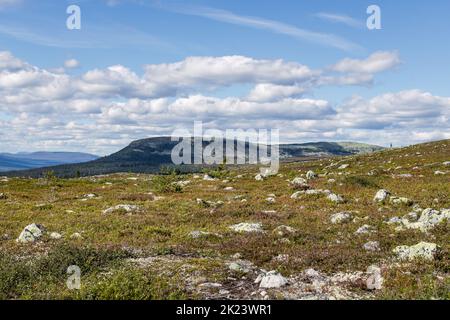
(375, 280)
(247, 227)
(209, 204)
(207, 177)
(272, 279)
(228, 189)
(242, 266)
(181, 184)
(400, 201)
(55, 236)
(335, 198)
(427, 220)
(381, 195)
(446, 163)
(281, 258)
(344, 166)
(198, 234)
(341, 217)
(311, 175)
(76, 236)
(31, 233)
(299, 183)
(422, 250)
(372, 246)
(270, 200)
(127, 208)
(440, 173)
(331, 180)
(259, 177)
(365, 229)
(283, 231)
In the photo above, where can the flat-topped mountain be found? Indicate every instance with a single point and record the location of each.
(149, 155)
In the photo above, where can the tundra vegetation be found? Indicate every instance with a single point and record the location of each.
(373, 226)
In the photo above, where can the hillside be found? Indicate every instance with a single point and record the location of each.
(344, 227)
(149, 155)
(22, 161)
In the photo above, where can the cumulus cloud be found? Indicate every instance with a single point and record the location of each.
(71, 64)
(375, 63)
(104, 109)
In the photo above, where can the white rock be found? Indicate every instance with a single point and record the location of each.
(446, 163)
(273, 280)
(31, 233)
(270, 200)
(299, 183)
(228, 189)
(341, 217)
(335, 198)
(76, 235)
(247, 227)
(375, 280)
(365, 229)
(428, 219)
(207, 177)
(283, 231)
(440, 173)
(198, 234)
(423, 250)
(259, 177)
(381, 195)
(55, 235)
(400, 201)
(372, 246)
(311, 175)
(344, 166)
(127, 208)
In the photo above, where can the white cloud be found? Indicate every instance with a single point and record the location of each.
(340, 18)
(272, 92)
(104, 109)
(375, 63)
(71, 64)
(325, 39)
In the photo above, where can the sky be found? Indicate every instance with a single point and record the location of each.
(142, 68)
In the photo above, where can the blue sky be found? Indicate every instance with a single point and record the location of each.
(396, 78)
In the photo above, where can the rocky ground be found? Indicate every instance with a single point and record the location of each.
(362, 227)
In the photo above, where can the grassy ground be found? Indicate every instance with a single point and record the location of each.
(158, 235)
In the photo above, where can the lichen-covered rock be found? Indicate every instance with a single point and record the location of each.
(381, 195)
(299, 183)
(283, 231)
(422, 250)
(372, 246)
(272, 279)
(127, 208)
(365, 229)
(428, 219)
(341, 217)
(400, 201)
(375, 279)
(31, 233)
(55, 236)
(335, 198)
(247, 227)
(311, 175)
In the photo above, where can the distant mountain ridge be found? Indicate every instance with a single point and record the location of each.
(25, 160)
(149, 155)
